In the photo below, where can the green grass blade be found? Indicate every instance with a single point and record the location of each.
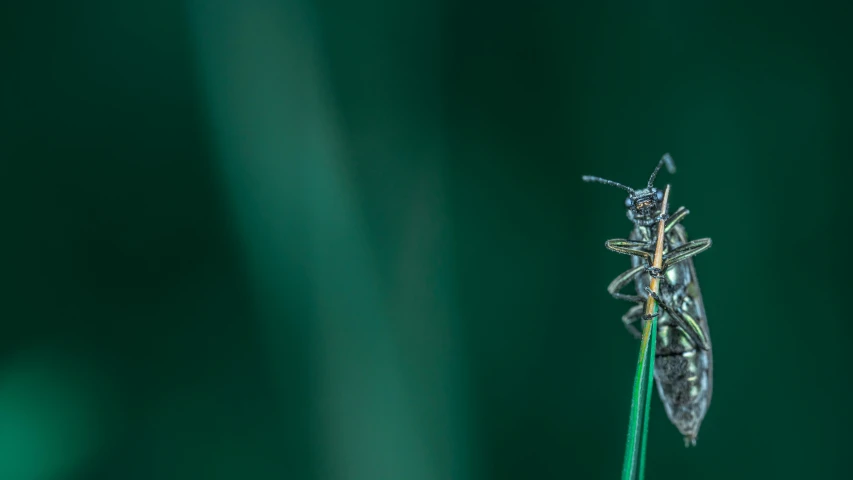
(650, 381)
(638, 425)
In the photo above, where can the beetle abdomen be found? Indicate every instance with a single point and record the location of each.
(684, 385)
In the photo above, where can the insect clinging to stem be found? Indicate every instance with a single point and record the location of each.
(683, 361)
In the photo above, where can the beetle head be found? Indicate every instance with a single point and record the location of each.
(644, 205)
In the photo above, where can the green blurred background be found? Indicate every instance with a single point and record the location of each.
(333, 240)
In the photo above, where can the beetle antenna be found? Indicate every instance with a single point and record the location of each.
(588, 178)
(670, 167)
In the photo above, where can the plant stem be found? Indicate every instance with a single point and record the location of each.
(657, 261)
(635, 450)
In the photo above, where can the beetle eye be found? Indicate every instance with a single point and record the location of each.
(629, 202)
(659, 195)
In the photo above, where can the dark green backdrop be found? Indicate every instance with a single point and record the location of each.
(348, 240)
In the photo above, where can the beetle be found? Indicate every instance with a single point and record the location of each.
(683, 360)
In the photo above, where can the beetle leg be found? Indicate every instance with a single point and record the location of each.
(656, 272)
(632, 315)
(621, 281)
(629, 247)
(683, 321)
(695, 328)
(675, 218)
(685, 251)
